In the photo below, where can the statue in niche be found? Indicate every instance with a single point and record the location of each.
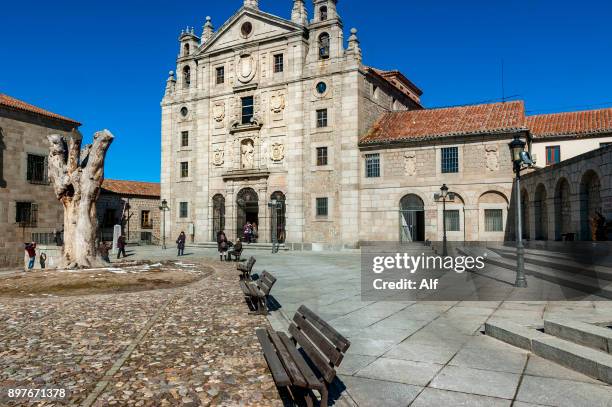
(247, 154)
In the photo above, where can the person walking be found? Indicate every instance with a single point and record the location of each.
(180, 243)
(43, 260)
(254, 232)
(121, 247)
(222, 245)
(247, 232)
(30, 249)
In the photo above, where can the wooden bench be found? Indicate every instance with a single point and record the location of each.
(323, 345)
(258, 291)
(245, 269)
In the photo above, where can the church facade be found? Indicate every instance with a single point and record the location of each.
(262, 122)
(279, 123)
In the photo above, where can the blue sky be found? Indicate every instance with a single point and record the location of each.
(105, 63)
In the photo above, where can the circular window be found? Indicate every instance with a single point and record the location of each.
(321, 88)
(246, 29)
(184, 111)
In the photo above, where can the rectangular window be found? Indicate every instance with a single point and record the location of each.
(279, 63)
(450, 159)
(184, 169)
(184, 138)
(247, 109)
(37, 169)
(220, 75)
(494, 220)
(145, 220)
(322, 118)
(553, 155)
(26, 214)
(321, 206)
(372, 165)
(321, 155)
(452, 220)
(183, 210)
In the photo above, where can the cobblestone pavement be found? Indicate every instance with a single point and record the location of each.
(193, 345)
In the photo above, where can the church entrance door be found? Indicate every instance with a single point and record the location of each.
(247, 209)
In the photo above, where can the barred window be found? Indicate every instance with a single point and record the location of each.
(184, 169)
(494, 220)
(145, 220)
(453, 223)
(321, 155)
(279, 63)
(37, 169)
(220, 75)
(247, 109)
(322, 209)
(372, 165)
(26, 214)
(450, 159)
(183, 209)
(322, 118)
(184, 139)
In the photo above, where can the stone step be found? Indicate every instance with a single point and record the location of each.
(590, 335)
(588, 361)
(245, 246)
(571, 266)
(588, 285)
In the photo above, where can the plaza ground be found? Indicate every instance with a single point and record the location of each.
(196, 344)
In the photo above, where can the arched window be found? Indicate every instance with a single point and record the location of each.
(186, 77)
(186, 50)
(324, 46)
(323, 13)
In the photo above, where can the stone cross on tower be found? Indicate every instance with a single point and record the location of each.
(251, 3)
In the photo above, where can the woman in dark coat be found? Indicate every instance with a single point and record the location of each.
(222, 245)
(180, 244)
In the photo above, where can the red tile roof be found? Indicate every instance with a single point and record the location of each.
(571, 123)
(135, 188)
(450, 121)
(12, 103)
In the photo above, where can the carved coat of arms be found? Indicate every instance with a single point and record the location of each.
(277, 103)
(219, 111)
(277, 152)
(410, 163)
(218, 156)
(246, 68)
(492, 159)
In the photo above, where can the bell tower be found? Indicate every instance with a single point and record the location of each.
(326, 37)
(325, 10)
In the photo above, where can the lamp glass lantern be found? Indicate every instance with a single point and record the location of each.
(517, 146)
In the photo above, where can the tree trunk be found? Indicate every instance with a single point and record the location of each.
(77, 176)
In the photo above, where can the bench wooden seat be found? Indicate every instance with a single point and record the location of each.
(258, 291)
(323, 345)
(245, 269)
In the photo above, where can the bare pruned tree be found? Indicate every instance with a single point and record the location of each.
(77, 176)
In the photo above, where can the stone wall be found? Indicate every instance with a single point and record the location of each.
(133, 225)
(22, 134)
(561, 198)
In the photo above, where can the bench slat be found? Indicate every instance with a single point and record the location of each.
(245, 288)
(309, 375)
(276, 367)
(334, 336)
(318, 339)
(313, 353)
(287, 360)
(253, 290)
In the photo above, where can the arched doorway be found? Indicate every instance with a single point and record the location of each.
(247, 209)
(412, 219)
(525, 214)
(563, 209)
(590, 203)
(278, 221)
(540, 213)
(218, 223)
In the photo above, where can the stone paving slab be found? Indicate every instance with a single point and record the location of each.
(430, 397)
(563, 393)
(477, 381)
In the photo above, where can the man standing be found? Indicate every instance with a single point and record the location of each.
(30, 248)
(180, 243)
(121, 246)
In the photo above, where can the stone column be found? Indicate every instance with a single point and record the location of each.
(264, 214)
(230, 211)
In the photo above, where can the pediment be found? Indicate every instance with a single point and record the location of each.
(264, 26)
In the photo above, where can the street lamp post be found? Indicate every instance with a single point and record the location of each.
(275, 206)
(164, 208)
(444, 194)
(519, 157)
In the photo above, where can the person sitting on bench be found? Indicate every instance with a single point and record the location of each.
(236, 251)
